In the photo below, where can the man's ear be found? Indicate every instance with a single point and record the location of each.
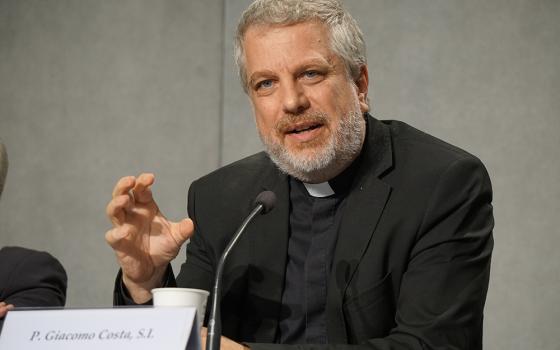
(362, 88)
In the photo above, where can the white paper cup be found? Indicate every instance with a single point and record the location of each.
(182, 297)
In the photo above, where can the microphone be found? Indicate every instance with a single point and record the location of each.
(263, 204)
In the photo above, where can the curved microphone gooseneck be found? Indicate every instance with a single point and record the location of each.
(264, 203)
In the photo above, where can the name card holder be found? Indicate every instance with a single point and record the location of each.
(134, 328)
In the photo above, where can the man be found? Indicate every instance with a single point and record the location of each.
(381, 236)
(28, 278)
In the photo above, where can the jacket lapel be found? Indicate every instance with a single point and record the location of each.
(363, 208)
(268, 263)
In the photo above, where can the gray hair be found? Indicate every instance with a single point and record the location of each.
(346, 37)
(3, 166)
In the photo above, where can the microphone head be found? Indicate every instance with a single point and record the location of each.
(267, 199)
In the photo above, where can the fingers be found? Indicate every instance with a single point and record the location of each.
(115, 235)
(4, 308)
(137, 186)
(124, 185)
(128, 190)
(120, 200)
(141, 191)
(116, 209)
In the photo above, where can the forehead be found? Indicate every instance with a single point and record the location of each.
(277, 46)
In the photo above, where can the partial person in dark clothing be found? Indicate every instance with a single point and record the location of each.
(28, 278)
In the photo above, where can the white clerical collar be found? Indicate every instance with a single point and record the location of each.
(319, 190)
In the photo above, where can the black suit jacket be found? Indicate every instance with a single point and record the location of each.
(412, 259)
(30, 278)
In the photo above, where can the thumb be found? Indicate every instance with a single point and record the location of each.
(183, 230)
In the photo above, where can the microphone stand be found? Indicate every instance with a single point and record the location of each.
(214, 324)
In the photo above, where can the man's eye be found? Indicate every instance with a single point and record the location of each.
(310, 74)
(265, 84)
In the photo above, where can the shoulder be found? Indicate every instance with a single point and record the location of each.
(231, 190)
(19, 258)
(409, 140)
(20, 255)
(422, 155)
(425, 168)
(217, 202)
(241, 175)
(31, 278)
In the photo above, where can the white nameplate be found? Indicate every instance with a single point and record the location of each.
(119, 328)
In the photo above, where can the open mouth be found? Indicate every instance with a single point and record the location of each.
(298, 129)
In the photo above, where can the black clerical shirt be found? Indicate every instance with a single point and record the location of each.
(314, 224)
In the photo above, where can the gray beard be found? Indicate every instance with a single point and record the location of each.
(326, 162)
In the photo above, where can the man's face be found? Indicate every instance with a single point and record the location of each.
(307, 110)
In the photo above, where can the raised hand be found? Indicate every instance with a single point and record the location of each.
(144, 240)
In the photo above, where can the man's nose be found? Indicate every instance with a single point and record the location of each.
(294, 98)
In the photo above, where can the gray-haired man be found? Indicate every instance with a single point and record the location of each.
(382, 235)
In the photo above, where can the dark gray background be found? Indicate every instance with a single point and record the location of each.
(94, 90)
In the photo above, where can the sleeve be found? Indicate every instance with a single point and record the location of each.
(121, 296)
(36, 278)
(198, 269)
(442, 294)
